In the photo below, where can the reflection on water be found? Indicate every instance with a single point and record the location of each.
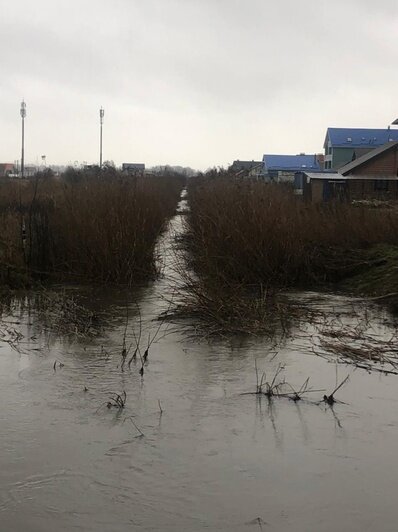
(213, 459)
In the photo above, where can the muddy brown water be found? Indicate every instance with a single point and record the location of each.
(214, 459)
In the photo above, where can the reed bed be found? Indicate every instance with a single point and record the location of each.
(254, 233)
(248, 241)
(96, 226)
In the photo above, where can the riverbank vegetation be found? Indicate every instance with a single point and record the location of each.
(249, 241)
(84, 226)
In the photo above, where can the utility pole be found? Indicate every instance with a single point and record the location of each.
(102, 112)
(23, 114)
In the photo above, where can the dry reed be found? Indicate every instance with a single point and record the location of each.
(97, 227)
(248, 240)
(253, 232)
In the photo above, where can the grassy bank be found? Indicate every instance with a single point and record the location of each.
(98, 226)
(378, 278)
(250, 238)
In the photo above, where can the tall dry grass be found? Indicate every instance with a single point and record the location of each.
(95, 226)
(247, 233)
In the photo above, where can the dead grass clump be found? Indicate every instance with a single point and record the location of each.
(278, 387)
(63, 314)
(117, 400)
(217, 309)
(358, 348)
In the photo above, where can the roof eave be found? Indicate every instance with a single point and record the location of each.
(325, 145)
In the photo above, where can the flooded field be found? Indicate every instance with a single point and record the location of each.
(191, 450)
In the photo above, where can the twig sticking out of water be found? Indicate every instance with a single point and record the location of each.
(272, 388)
(134, 357)
(277, 387)
(137, 339)
(329, 399)
(297, 395)
(135, 425)
(258, 385)
(124, 348)
(117, 400)
(160, 407)
(153, 338)
(124, 356)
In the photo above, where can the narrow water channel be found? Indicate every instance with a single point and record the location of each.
(213, 459)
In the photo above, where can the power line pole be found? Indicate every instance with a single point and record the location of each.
(102, 112)
(23, 114)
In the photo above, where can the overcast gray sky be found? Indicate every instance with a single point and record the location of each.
(192, 82)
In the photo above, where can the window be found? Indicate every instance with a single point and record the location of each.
(381, 185)
(330, 150)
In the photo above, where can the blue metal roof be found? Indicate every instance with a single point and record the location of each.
(291, 163)
(343, 137)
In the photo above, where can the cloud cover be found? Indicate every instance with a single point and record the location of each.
(192, 82)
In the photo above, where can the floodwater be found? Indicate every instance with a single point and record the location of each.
(213, 459)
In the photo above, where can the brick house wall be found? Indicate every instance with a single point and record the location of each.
(385, 164)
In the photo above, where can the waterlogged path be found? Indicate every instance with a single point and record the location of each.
(213, 459)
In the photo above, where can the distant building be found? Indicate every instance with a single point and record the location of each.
(282, 168)
(342, 145)
(319, 187)
(30, 171)
(252, 169)
(10, 170)
(373, 176)
(136, 169)
(6, 169)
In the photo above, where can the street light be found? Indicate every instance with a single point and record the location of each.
(23, 114)
(102, 112)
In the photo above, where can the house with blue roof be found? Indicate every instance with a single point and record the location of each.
(281, 168)
(373, 176)
(343, 145)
